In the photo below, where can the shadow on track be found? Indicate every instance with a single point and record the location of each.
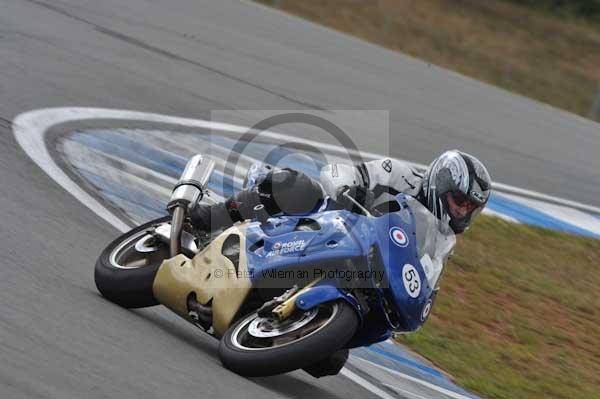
(293, 387)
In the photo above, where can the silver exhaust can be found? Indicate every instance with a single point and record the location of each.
(193, 182)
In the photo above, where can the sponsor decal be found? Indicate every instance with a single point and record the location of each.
(289, 247)
(387, 165)
(477, 195)
(411, 280)
(399, 237)
(426, 310)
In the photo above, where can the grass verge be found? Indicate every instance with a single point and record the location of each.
(518, 315)
(528, 51)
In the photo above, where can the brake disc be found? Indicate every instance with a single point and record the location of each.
(263, 327)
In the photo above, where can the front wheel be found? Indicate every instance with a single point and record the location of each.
(125, 271)
(256, 346)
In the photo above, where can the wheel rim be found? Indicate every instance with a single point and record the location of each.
(256, 333)
(266, 328)
(138, 250)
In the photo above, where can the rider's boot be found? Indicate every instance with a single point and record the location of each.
(284, 190)
(210, 217)
(224, 214)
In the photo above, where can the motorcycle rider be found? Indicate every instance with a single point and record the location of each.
(455, 188)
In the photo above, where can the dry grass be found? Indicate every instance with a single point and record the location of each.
(518, 315)
(553, 60)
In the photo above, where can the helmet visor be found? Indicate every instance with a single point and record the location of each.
(460, 205)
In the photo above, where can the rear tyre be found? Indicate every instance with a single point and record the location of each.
(125, 275)
(256, 346)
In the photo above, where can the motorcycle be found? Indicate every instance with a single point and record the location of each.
(282, 292)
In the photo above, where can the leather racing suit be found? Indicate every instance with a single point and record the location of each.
(291, 191)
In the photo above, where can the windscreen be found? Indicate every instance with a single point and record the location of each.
(435, 241)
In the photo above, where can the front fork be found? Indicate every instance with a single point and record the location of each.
(309, 297)
(283, 306)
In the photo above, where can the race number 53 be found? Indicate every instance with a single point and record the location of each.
(412, 281)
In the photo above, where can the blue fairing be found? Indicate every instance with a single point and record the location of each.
(323, 293)
(394, 259)
(279, 245)
(334, 238)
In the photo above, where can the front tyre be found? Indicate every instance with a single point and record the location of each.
(256, 346)
(125, 271)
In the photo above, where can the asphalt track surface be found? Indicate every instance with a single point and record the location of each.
(58, 337)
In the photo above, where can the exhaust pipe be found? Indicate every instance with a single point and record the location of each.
(176, 228)
(188, 191)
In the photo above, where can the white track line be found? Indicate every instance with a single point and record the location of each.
(29, 130)
(404, 391)
(444, 391)
(366, 384)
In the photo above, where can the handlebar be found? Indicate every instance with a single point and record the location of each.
(358, 204)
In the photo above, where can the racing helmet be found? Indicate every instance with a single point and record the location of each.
(456, 188)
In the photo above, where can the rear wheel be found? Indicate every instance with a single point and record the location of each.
(256, 346)
(125, 271)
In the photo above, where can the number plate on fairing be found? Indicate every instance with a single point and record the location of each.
(411, 280)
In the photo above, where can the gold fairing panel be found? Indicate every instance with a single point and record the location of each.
(210, 275)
